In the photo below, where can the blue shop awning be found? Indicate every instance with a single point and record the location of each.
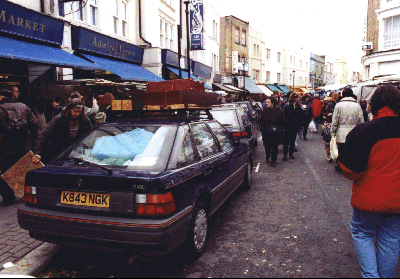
(273, 87)
(185, 75)
(283, 88)
(21, 50)
(126, 71)
(252, 87)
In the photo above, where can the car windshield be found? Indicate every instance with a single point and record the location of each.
(130, 147)
(226, 117)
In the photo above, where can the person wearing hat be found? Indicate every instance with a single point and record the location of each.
(62, 131)
(89, 112)
(18, 126)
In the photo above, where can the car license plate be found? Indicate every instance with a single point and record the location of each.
(86, 199)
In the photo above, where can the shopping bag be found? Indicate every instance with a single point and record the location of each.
(334, 148)
(15, 176)
(312, 127)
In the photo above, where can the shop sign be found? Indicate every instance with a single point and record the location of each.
(17, 20)
(196, 24)
(235, 62)
(89, 41)
(171, 58)
(201, 70)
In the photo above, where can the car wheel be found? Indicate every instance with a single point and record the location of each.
(248, 179)
(198, 233)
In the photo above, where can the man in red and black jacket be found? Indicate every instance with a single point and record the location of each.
(371, 158)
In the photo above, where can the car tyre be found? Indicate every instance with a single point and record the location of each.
(248, 179)
(198, 233)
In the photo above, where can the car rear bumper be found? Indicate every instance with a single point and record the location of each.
(155, 237)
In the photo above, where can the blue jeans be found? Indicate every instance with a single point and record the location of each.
(365, 226)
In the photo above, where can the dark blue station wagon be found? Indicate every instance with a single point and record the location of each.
(148, 185)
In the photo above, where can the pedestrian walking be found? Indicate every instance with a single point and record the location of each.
(62, 132)
(271, 126)
(292, 123)
(308, 114)
(347, 115)
(18, 126)
(317, 110)
(105, 106)
(371, 158)
(326, 136)
(57, 108)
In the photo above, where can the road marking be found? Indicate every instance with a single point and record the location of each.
(258, 167)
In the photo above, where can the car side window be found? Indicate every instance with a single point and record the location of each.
(204, 140)
(223, 136)
(184, 152)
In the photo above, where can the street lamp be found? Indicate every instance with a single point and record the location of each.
(188, 35)
(294, 72)
(244, 75)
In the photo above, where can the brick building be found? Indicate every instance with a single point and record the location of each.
(234, 37)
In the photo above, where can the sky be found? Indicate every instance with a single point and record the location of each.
(325, 27)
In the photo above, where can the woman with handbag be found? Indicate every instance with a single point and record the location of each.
(271, 126)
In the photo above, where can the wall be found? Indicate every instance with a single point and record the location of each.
(272, 65)
(256, 55)
(302, 71)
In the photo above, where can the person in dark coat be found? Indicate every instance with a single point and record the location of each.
(62, 132)
(293, 122)
(18, 127)
(271, 126)
(308, 114)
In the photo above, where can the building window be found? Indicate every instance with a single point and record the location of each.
(269, 54)
(237, 35)
(278, 77)
(93, 12)
(161, 33)
(116, 16)
(78, 10)
(244, 38)
(268, 77)
(124, 19)
(258, 51)
(279, 57)
(171, 37)
(215, 30)
(166, 26)
(391, 36)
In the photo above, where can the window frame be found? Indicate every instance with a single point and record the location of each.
(244, 33)
(95, 7)
(237, 35)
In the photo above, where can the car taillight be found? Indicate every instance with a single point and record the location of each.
(30, 196)
(154, 205)
(239, 135)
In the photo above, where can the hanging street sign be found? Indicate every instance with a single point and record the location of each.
(196, 24)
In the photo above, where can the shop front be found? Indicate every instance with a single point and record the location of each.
(170, 68)
(121, 60)
(30, 50)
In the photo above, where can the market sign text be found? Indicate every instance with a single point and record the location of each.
(17, 20)
(89, 41)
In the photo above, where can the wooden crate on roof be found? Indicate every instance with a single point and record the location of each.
(175, 85)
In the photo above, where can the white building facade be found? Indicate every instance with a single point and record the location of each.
(161, 18)
(256, 56)
(386, 60)
(296, 67)
(273, 69)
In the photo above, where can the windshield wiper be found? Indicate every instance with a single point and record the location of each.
(87, 162)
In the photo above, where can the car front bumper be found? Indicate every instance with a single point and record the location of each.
(154, 237)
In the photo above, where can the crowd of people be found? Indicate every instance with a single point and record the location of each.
(367, 136)
(21, 130)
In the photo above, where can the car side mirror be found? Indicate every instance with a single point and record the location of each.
(244, 142)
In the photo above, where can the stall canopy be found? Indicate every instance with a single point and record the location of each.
(283, 88)
(273, 87)
(185, 74)
(252, 87)
(15, 49)
(126, 71)
(265, 89)
(223, 87)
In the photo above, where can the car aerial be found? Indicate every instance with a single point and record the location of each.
(147, 184)
(236, 120)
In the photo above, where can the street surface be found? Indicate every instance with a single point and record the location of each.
(294, 222)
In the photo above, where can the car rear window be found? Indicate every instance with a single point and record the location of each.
(226, 117)
(131, 147)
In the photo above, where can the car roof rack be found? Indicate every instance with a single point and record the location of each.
(176, 112)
